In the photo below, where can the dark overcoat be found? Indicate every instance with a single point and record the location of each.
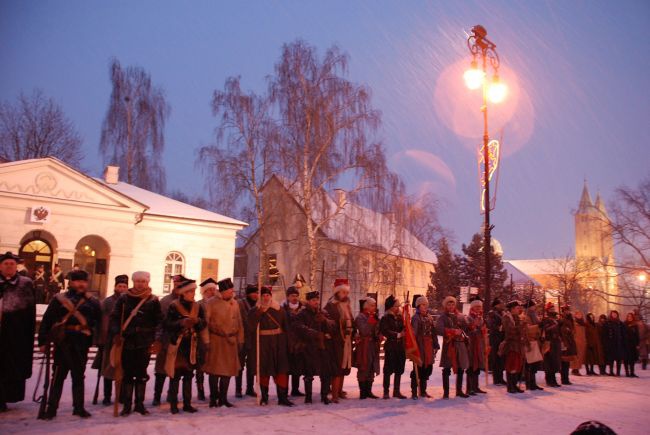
(273, 340)
(317, 357)
(394, 354)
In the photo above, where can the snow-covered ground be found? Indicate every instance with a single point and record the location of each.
(621, 403)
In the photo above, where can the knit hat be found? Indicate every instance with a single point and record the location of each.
(122, 279)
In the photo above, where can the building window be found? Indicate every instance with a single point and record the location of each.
(365, 270)
(174, 265)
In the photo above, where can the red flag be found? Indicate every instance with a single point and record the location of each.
(410, 344)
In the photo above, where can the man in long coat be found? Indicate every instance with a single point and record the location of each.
(366, 352)
(245, 305)
(454, 346)
(496, 336)
(75, 314)
(391, 327)
(272, 341)
(552, 347)
(226, 332)
(292, 306)
(533, 351)
(102, 362)
(516, 338)
(208, 289)
(569, 346)
(424, 331)
(338, 309)
(314, 330)
(134, 320)
(17, 322)
(476, 333)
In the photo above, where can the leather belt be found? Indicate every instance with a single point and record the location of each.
(276, 331)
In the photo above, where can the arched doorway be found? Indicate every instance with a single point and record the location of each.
(37, 248)
(92, 255)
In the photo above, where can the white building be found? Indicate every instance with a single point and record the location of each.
(51, 213)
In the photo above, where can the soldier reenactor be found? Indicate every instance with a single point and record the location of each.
(245, 305)
(516, 338)
(292, 306)
(17, 323)
(134, 321)
(273, 346)
(476, 332)
(391, 327)
(552, 346)
(55, 283)
(366, 352)
(317, 358)
(454, 346)
(163, 338)
(338, 309)
(424, 331)
(184, 322)
(226, 337)
(569, 346)
(533, 350)
(102, 361)
(69, 322)
(39, 280)
(496, 336)
(208, 289)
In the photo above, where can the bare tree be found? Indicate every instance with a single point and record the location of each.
(326, 122)
(133, 129)
(243, 159)
(35, 126)
(574, 281)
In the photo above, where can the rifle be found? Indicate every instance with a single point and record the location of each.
(117, 370)
(100, 363)
(46, 384)
(322, 280)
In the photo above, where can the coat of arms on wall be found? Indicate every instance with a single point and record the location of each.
(40, 214)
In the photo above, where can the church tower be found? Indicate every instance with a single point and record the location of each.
(595, 247)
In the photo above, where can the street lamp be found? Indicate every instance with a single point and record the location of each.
(494, 90)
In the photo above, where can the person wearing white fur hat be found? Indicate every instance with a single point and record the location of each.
(339, 310)
(424, 331)
(476, 331)
(454, 346)
(366, 352)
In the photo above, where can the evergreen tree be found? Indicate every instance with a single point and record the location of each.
(446, 277)
(472, 268)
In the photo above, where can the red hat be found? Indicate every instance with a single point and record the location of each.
(341, 282)
(549, 306)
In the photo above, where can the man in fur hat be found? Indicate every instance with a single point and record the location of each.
(185, 323)
(73, 315)
(496, 336)
(516, 339)
(134, 320)
(366, 352)
(552, 349)
(454, 346)
(391, 327)
(424, 331)
(339, 310)
(226, 332)
(292, 306)
(273, 346)
(208, 289)
(104, 341)
(246, 304)
(17, 323)
(534, 355)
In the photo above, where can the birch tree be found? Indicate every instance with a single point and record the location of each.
(133, 129)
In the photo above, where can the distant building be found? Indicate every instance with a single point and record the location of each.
(52, 213)
(368, 248)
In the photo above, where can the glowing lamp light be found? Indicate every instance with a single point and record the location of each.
(642, 277)
(497, 90)
(474, 77)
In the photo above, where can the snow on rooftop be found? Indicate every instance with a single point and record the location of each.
(544, 266)
(518, 277)
(161, 205)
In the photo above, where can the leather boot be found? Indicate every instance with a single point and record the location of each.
(108, 391)
(510, 382)
(224, 382)
(533, 380)
(283, 398)
(325, 383)
(172, 393)
(127, 396)
(445, 384)
(618, 368)
(295, 386)
(238, 382)
(265, 395)
(157, 389)
(308, 389)
(386, 385)
(362, 390)
(477, 382)
(459, 385)
(250, 381)
(414, 387)
(369, 391)
(78, 399)
(187, 395)
(423, 389)
(632, 374)
(396, 387)
(200, 391)
(516, 378)
(213, 383)
(469, 383)
(140, 388)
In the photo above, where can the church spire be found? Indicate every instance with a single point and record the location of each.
(600, 205)
(585, 200)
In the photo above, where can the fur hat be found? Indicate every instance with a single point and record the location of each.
(292, 291)
(225, 284)
(208, 284)
(140, 274)
(390, 302)
(312, 295)
(367, 300)
(266, 290)
(186, 286)
(251, 288)
(10, 256)
(421, 300)
(414, 300)
(341, 284)
(514, 303)
(122, 279)
(477, 302)
(78, 275)
(448, 299)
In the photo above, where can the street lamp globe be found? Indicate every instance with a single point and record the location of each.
(497, 90)
(474, 77)
(643, 277)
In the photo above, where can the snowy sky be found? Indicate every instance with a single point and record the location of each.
(577, 72)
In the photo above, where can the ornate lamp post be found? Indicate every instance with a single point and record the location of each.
(484, 50)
